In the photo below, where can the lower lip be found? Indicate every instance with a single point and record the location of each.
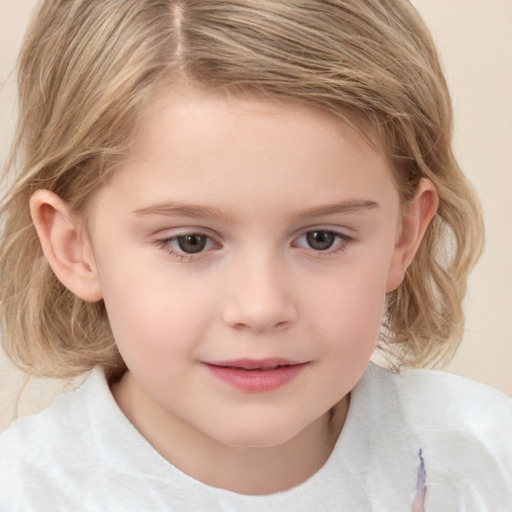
(257, 381)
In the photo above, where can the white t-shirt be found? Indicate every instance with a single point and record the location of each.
(82, 454)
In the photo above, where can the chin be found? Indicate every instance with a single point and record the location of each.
(257, 435)
(255, 442)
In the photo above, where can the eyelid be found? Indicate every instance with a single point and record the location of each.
(342, 231)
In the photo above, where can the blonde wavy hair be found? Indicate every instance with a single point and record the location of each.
(89, 67)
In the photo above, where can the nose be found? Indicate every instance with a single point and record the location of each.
(260, 297)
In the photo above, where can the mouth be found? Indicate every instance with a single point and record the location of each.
(255, 364)
(256, 375)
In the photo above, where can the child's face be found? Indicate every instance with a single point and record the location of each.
(242, 236)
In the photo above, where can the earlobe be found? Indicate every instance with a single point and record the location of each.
(65, 245)
(414, 223)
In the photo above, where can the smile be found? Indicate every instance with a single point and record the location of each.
(256, 376)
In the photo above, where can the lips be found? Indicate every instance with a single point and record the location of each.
(256, 376)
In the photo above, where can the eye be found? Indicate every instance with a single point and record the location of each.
(320, 240)
(323, 240)
(186, 245)
(192, 243)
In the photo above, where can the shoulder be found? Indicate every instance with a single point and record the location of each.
(433, 396)
(66, 415)
(464, 429)
(437, 399)
(63, 416)
(34, 449)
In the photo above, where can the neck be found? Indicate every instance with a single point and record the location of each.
(253, 471)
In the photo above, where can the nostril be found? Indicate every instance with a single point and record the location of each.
(256, 327)
(260, 327)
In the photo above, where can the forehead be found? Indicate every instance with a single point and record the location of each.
(204, 147)
(198, 103)
(186, 112)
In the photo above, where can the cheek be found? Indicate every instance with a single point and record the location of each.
(349, 309)
(154, 313)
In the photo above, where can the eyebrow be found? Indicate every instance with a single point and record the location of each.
(350, 206)
(172, 209)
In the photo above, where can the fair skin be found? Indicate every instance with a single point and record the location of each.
(243, 340)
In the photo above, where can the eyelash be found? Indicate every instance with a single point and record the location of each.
(342, 243)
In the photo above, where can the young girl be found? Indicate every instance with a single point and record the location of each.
(220, 207)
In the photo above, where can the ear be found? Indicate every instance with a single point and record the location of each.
(65, 244)
(415, 219)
